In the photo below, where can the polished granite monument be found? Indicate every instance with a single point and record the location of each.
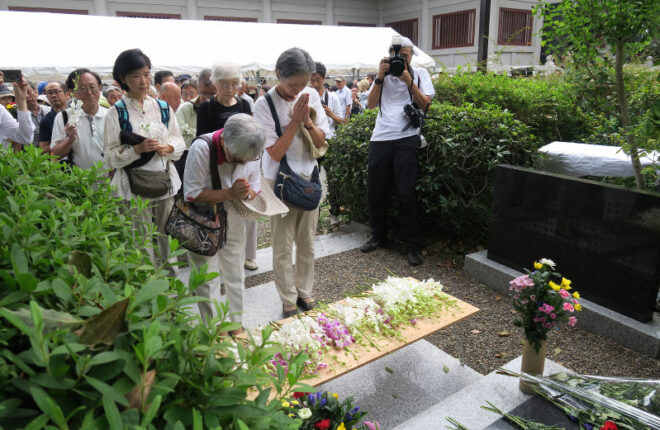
(605, 238)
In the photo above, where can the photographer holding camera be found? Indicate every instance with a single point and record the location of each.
(402, 92)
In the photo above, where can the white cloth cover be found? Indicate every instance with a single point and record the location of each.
(582, 159)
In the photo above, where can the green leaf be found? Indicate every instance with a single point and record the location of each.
(241, 424)
(52, 319)
(48, 406)
(112, 414)
(61, 290)
(150, 290)
(17, 322)
(198, 423)
(107, 391)
(38, 423)
(104, 357)
(18, 260)
(152, 411)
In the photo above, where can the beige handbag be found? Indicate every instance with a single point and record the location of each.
(307, 138)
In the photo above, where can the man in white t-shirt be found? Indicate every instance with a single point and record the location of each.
(333, 108)
(393, 148)
(344, 95)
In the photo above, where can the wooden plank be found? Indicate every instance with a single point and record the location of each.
(360, 355)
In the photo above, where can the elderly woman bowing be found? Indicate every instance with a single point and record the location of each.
(141, 141)
(238, 144)
(292, 100)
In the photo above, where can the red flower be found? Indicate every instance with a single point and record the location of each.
(322, 425)
(609, 425)
(298, 394)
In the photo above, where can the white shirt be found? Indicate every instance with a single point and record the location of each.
(391, 120)
(345, 97)
(118, 156)
(88, 147)
(20, 131)
(298, 156)
(197, 176)
(250, 101)
(335, 106)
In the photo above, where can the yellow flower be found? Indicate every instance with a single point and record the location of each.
(341, 427)
(554, 286)
(576, 295)
(578, 307)
(295, 402)
(336, 396)
(285, 404)
(565, 283)
(538, 266)
(292, 416)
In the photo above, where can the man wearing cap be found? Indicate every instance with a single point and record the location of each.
(344, 95)
(393, 149)
(19, 130)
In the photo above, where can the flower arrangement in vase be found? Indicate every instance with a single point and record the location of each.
(542, 299)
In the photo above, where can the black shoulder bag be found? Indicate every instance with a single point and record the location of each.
(290, 187)
(197, 231)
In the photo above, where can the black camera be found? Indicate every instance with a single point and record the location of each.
(414, 114)
(397, 62)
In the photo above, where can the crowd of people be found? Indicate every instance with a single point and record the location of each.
(161, 134)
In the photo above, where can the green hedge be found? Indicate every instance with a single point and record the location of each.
(87, 323)
(456, 169)
(546, 105)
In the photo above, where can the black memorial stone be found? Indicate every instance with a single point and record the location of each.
(605, 238)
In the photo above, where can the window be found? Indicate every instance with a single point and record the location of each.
(229, 18)
(298, 21)
(406, 28)
(149, 15)
(515, 27)
(48, 9)
(355, 24)
(453, 30)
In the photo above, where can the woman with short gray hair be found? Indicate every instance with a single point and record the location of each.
(239, 147)
(213, 113)
(292, 100)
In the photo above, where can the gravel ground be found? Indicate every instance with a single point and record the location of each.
(476, 340)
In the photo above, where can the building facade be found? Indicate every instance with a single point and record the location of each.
(448, 30)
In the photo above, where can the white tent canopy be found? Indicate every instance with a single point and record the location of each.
(183, 46)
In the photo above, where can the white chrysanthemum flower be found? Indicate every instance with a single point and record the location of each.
(547, 262)
(76, 112)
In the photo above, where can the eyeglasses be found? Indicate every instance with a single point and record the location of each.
(228, 85)
(53, 92)
(238, 161)
(90, 89)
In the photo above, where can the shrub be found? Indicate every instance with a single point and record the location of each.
(456, 169)
(546, 105)
(92, 335)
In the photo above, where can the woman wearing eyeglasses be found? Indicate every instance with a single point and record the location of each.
(238, 147)
(213, 113)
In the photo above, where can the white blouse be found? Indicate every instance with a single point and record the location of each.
(298, 156)
(146, 123)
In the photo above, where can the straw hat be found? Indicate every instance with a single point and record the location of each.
(264, 204)
(307, 138)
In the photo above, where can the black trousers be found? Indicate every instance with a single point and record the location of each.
(398, 158)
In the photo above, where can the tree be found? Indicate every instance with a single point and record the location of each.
(601, 34)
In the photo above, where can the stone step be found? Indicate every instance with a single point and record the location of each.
(398, 387)
(350, 236)
(465, 405)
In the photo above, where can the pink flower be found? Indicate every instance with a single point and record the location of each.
(521, 282)
(524, 301)
(568, 307)
(546, 308)
(572, 321)
(564, 294)
(547, 325)
(553, 316)
(532, 298)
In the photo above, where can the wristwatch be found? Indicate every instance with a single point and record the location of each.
(378, 81)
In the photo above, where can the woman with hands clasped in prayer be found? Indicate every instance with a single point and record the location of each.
(292, 100)
(142, 139)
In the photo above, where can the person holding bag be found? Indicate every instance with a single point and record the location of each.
(282, 112)
(142, 140)
(239, 143)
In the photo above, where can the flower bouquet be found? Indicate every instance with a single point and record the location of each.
(12, 109)
(324, 411)
(542, 299)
